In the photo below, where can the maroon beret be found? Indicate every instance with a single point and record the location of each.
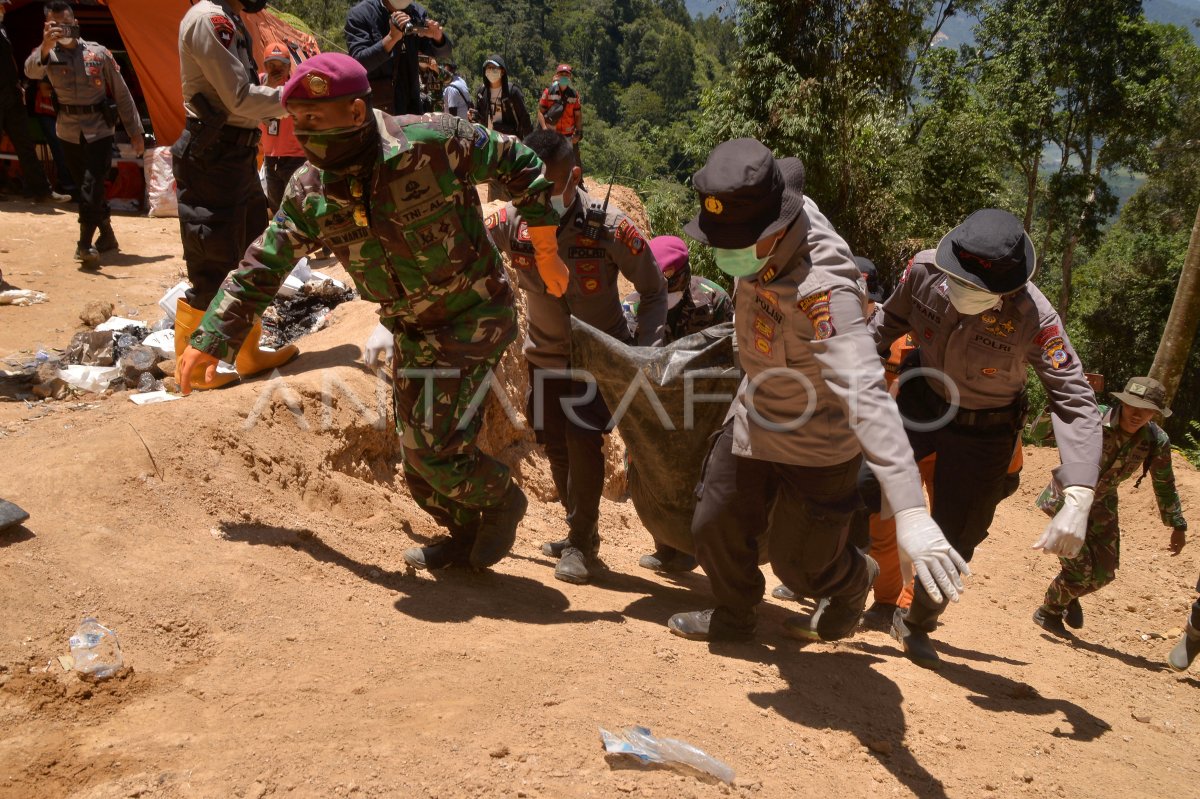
(328, 76)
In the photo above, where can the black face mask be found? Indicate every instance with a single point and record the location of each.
(253, 6)
(341, 149)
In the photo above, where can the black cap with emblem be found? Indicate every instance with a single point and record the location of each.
(989, 250)
(746, 194)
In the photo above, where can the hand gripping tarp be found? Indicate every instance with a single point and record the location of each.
(692, 381)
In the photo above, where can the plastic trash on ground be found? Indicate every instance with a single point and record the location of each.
(153, 397)
(89, 378)
(21, 297)
(169, 300)
(303, 273)
(96, 649)
(115, 323)
(638, 742)
(162, 340)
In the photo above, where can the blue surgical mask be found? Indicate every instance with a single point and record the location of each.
(556, 202)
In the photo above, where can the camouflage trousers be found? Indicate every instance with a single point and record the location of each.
(1096, 564)
(439, 412)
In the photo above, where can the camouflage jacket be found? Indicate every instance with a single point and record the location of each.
(413, 241)
(1122, 456)
(704, 305)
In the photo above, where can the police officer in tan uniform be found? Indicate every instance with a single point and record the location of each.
(812, 405)
(573, 436)
(222, 208)
(978, 321)
(85, 77)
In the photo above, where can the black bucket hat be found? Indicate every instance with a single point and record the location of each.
(746, 194)
(1145, 392)
(870, 274)
(989, 250)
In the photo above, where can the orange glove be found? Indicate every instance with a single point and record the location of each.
(552, 269)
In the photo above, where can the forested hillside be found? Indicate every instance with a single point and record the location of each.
(1047, 109)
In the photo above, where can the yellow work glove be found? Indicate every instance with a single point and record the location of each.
(552, 269)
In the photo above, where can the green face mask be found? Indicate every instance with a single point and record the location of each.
(340, 149)
(742, 262)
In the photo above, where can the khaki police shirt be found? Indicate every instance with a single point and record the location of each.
(985, 355)
(813, 393)
(85, 74)
(592, 295)
(216, 60)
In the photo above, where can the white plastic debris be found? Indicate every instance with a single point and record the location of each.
(172, 298)
(160, 182)
(115, 323)
(152, 397)
(21, 297)
(161, 340)
(638, 742)
(89, 378)
(304, 273)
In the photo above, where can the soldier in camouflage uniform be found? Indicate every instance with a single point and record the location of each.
(396, 203)
(1131, 442)
(693, 303)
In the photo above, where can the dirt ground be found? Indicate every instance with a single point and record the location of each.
(246, 545)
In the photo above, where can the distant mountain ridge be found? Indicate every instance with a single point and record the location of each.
(958, 28)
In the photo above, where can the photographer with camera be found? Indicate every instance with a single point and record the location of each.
(91, 94)
(386, 37)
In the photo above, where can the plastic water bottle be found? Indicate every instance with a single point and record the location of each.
(96, 649)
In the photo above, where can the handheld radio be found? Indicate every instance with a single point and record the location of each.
(596, 215)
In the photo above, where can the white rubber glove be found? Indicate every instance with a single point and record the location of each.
(925, 551)
(381, 342)
(1065, 533)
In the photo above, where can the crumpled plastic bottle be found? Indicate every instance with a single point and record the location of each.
(96, 649)
(638, 742)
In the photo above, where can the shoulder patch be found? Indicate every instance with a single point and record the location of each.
(816, 308)
(223, 28)
(628, 232)
(497, 218)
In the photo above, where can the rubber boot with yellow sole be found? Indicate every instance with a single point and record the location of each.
(251, 360)
(187, 319)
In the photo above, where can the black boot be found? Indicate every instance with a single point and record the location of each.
(444, 552)
(845, 611)
(1050, 620)
(667, 559)
(453, 550)
(87, 257)
(580, 559)
(1186, 650)
(721, 624)
(912, 627)
(108, 240)
(554, 549)
(1074, 615)
(498, 528)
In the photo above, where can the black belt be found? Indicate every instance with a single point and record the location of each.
(236, 137)
(82, 109)
(994, 417)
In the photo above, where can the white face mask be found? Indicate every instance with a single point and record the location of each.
(970, 301)
(67, 42)
(674, 297)
(493, 75)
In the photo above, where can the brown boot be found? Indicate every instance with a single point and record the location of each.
(187, 319)
(251, 360)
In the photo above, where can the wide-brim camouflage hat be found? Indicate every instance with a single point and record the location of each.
(746, 195)
(1145, 392)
